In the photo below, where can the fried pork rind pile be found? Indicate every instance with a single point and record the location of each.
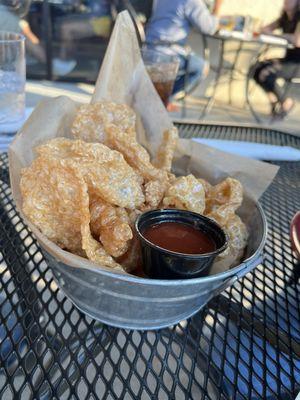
(85, 194)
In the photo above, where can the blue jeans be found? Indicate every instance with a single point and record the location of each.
(191, 69)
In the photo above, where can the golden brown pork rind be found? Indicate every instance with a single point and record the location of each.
(165, 153)
(135, 154)
(55, 198)
(154, 192)
(186, 193)
(227, 193)
(237, 237)
(110, 225)
(222, 202)
(105, 171)
(52, 201)
(89, 123)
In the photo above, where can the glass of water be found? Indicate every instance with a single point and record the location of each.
(12, 81)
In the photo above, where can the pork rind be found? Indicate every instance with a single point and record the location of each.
(186, 193)
(207, 186)
(110, 225)
(52, 201)
(91, 119)
(55, 198)
(132, 259)
(106, 172)
(237, 237)
(154, 192)
(94, 250)
(165, 154)
(135, 154)
(228, 193)
(222, 202)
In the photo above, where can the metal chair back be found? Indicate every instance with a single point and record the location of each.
(139, 27)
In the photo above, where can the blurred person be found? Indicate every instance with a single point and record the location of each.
(11, 21)
(267, 72)
(94, 21)
(168, 29)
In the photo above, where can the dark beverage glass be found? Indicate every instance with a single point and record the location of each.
(162, 69)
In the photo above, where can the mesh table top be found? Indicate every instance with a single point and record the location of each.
(242, 346)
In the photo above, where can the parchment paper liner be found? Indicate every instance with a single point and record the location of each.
(123, 79)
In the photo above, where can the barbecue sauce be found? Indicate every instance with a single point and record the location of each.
(179, 238)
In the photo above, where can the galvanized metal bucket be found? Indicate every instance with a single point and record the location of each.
(136, 303)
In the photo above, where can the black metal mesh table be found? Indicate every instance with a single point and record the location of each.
(245, 345)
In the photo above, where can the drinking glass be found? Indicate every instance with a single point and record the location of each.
(12, 80)
(162, 69)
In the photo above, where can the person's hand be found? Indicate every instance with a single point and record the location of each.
(266, 30)
(297, 39)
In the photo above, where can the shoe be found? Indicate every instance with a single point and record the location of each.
(62, 67)
(278, 113)
(171, 107)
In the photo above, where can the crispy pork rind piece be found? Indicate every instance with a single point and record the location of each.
(52, 201)
(229, 192)
(237, 237)
(55, 199)
(166, 150)
(110, 225)
(221, 214)
(91, 119)
(154, 192)
(222, 202)
(135, 154)
(105, 171)
(94, 250)
(186, 193)
(133, 257)
(207, 186)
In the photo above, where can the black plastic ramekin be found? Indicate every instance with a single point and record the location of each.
(160, 263)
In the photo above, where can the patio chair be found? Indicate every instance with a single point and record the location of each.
(288, 85)
(293, 81)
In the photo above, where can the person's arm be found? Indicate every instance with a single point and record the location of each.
(271, 27)
(294, 38)
(217, 6)
(200, 18)
(290, 37)
(27, 32)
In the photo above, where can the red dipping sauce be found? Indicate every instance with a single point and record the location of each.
(179, 238)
